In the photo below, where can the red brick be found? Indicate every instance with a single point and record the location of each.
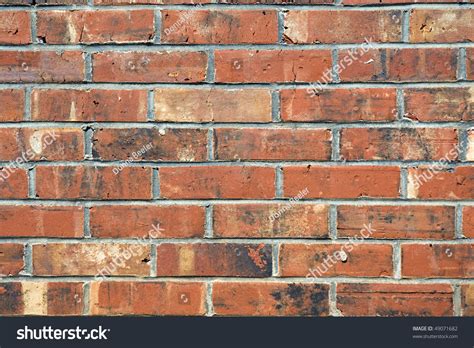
(440, 183)
(342, 182)
(74, 27)
(270, 299)
(265, 66)
(266, 2)
(15, 28)
(147, 67)
(41, 66)
(147, 298)
(449, 25)
(12, 101)
(217, 182)
(404, 65)
(221, 105)
(176, 221)
(86, 182)
(87, 259)
(437, 261)
(342, 26)
(59, 2)
(149, 2)
(467, 299)
(272, 144)
(320, 260)
(439, 104)
(41, 298)
(468, 222)
(396, 222)
(470, 145)
(216, 259)
(41, 221)
(68, 105)
(338, 105)
(150, 144)
(13, 182)
(219, 27)
(407, 144)
(41, 144)
(11, 259)
(470, 63)
(390, 2)
(271, 221)
(390, 300)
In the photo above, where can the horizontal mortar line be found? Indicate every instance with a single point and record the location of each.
(223, 163)
(255, 7)
(185, 279)
(166, 47)
(216, 240)
(204, 202)
(205, 85)
(395, 124)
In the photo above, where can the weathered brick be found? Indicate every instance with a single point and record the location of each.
(12, 102)
(439, 104)
(321, 260)
(271, 221)
(177, 221)
(404, 65)
(41, 66)
(68, 105)
(467, 299)
(216, 259)
(338, 105)
(13, 182)
(390, 300)
(396, 222)
(437, 182)
(41, 144)
(470, 145)
(147, 298)
(283, 2)
(41, 221)
(342, 182)
(468, 222)
(265, 66)
(470, 63)
(447, 25)
(147, 67)
(342, 26)
(41, 298)
(437, 261)
(219, 27)
(406, 144)
(217, 182)
(88, 259)
(272, 144)
(109, 26)
(270, 299)
(11, 259)
(221, 105)
(15, 28)
(391, 2)
(149, 2)
(150, 144)
(87, 182)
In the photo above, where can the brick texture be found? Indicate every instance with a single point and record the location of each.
(241, 158)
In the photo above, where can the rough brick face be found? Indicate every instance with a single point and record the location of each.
(72, 27)
(390, 300)
(342, 26)
(241, 158)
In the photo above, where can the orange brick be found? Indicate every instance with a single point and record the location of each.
(12, 101)
(15, 28)
(11, 259)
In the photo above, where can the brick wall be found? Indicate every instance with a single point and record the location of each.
(236, 157)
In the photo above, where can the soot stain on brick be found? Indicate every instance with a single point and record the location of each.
(252, 259)
(12, 298)
(305, 299)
